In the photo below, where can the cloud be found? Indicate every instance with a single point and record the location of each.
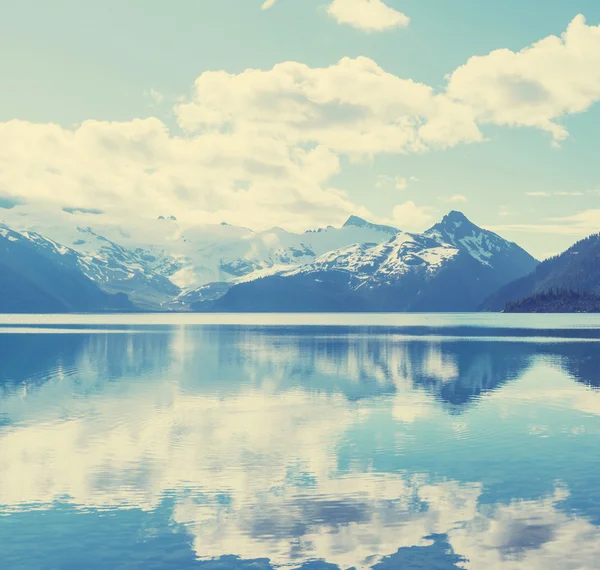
(352, 107)
(536, 86)
(368, 15)
(401, 183)
(262, 146)
(588, 220)
(139, 168)
(398, 182)
(410, 217)
(547, 194)
(156, 96)
(93, 211)
(579, 225)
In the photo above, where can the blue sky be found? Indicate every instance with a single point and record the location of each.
(69, 63)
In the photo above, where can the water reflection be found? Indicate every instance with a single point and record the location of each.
(227, 446)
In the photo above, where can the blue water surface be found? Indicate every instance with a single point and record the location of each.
(300, 441)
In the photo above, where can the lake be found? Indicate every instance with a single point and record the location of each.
(302, 441)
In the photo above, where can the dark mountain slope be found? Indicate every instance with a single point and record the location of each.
(576, 269)
(19, 295)
(556, 301)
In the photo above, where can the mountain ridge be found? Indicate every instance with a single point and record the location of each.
(359, 266)
(155, 261)
(442, 269)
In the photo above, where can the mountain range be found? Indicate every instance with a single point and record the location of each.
(160, 265)
(453, 266)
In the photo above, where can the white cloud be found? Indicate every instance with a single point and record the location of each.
(579, 225)
(262, 145)
(369, 15)
(138, 168)
(410, 217)
(155, 95)
(541, 194)
(353, 107)
(398, 182)
(401, 183)
(588, 221)
(536, 86)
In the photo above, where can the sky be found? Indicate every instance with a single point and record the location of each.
(299, 113)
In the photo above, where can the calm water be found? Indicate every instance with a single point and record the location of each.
(216, 442)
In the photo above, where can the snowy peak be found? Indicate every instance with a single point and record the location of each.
(456, 229)
(355, 221)
(373, 264)
(485, 246)
(451, 267)
(454, 226)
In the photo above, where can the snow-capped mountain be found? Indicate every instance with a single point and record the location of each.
(381, 263)
(274, 251)
(256, 254)
(114, 268)
(486, 247)
(360, 266)
(452, 266)
(40, 275)
(157, 261)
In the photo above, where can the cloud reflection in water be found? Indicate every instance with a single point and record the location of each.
(270, 443)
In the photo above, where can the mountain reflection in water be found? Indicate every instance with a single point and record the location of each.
(313, 447)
